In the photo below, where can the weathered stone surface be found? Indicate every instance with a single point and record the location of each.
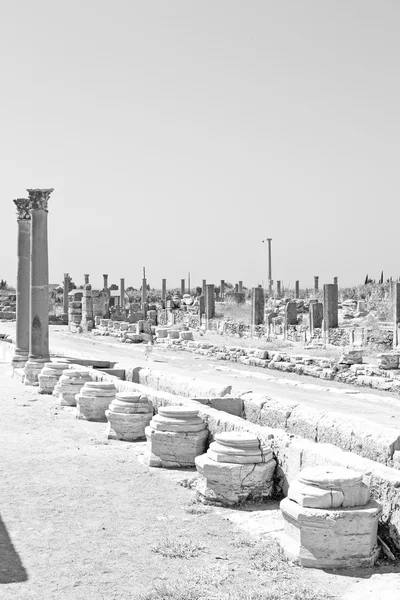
(229, 484)
(351, 356)
(329, 487)
(186, 335)
(161, 332)
(94, 399)
(175, 437)
(388, 360)
(49, 376)
(128, 416)
(238, 447)
(330, 539)
(69, 384)
(173, 334)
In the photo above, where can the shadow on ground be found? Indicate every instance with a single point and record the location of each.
(11, 567)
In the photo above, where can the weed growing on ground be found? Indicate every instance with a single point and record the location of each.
(196, 509)
(175, 548)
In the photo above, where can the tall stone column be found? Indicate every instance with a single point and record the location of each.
(396, 314)
(182, 287)
(65, 296)
(122, 295)
(86, 276)
(222, 289)
(316, 284)
(204, 287)
(297, 289)
(39, 292)
(279, 288)
(163, 290)
(105, 281)
(269, 240)
(23, 278)
(240, 287)
(257, 306)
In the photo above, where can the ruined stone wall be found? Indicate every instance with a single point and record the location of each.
(100, 303)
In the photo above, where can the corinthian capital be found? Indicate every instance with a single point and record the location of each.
(23, 206)
(39, 197)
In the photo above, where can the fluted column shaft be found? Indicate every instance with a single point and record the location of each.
(23, 279)
(39, 293)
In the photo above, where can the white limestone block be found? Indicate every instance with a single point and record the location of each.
(231, 483)
(330, 539)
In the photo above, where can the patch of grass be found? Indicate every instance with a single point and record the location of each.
(196, 509)
(240, 313)
(175, 548)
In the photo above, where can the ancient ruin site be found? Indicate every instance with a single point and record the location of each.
(200, 300)
(214, 441)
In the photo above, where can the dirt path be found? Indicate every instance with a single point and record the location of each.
(81, 518)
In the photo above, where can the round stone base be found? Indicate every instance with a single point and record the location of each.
(330, 539)
(228, 484)
(174, 449)
(19, 361)
(92, 408)
(32, 370)
(128, 427)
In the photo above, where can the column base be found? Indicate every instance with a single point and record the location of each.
(18, 361)
(32, 370)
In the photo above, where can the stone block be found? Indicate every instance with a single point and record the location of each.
(186, 335)
(173, 334)
(330, 539)
(388, 360)
(351, 356)
(228, 484)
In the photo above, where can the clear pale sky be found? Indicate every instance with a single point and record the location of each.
(178, 134)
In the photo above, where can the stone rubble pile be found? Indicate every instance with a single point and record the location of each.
(235, 468)
(329, 520)
(69, 384)
(128, 415)
(175, 436)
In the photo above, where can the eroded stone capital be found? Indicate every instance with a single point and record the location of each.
(39, 198)
(23, 207)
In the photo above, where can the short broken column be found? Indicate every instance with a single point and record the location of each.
(237, 467)
(86, 278)
(210, 301)
(128, 415)
(222, 289)
(257, 306)
(50, 375)
(329, 520)
(182, 287)
(291, 313)
(23, 279)
(94, 399)
(240, 287)
(69, 384)
(316, 312)
(39, 286)
(331, 315)
(175, 436)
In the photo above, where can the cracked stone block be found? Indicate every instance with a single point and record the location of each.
(329, 487)
(69, 384)
(175, 436)
(344, 538)
(237, 466)
(128, 416)
(228, 484)
(50, 375)
(94, 399)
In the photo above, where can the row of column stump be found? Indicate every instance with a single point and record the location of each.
(329, 519)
